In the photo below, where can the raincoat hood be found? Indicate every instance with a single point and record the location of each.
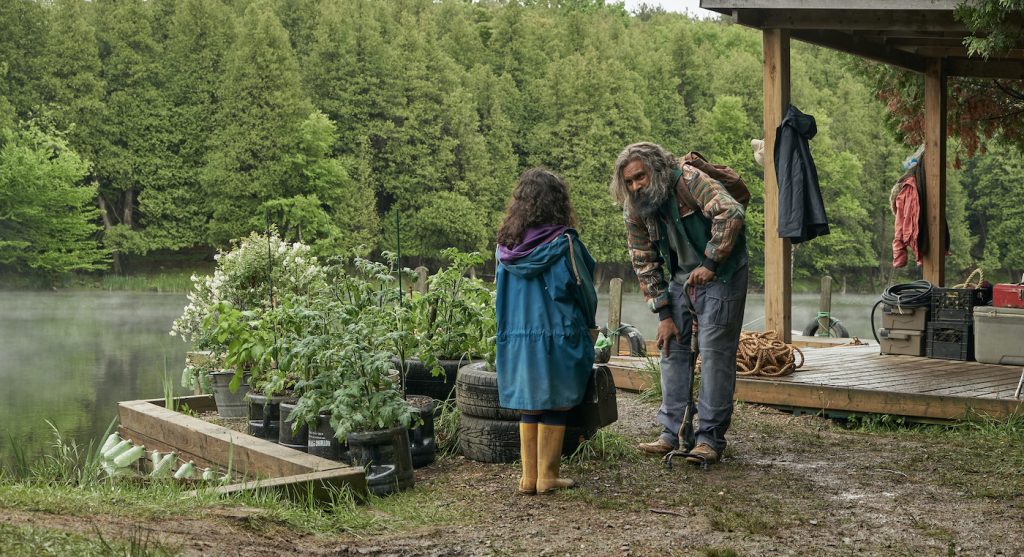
(541, 258)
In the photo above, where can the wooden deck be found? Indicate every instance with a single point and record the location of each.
(856, 379)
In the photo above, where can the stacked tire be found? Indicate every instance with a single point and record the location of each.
(488, 432)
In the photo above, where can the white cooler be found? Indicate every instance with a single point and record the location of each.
(999, 335)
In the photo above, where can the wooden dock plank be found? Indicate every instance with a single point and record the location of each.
(859, 379)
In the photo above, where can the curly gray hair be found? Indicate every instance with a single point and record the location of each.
(659, 164)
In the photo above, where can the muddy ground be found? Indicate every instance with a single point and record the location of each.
(787, 486)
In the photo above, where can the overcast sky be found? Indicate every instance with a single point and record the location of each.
(681, 6)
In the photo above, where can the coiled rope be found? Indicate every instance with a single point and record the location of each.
(765, 354)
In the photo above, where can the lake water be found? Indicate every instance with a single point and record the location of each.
(70, 356)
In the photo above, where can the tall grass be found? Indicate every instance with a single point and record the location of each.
(166, 281)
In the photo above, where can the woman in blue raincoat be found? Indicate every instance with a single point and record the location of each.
(546, 305)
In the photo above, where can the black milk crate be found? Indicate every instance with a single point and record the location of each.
(950, 340)
(956, 304)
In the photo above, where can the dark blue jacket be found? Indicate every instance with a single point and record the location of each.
(801, 210)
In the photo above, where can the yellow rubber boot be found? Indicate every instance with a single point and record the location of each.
(549, 459)
(528, 456)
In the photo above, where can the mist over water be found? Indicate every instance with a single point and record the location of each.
(70, 356)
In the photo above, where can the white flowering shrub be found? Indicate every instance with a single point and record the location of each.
(244, 276)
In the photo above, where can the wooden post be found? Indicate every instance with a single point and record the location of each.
(825, 308)
(778, 273)
(614, 312)
(421, 279)
(935, 169)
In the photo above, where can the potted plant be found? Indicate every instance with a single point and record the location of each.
(251, 277)
(350, 399)
(449, 325)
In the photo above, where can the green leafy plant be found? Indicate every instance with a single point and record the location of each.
(455, 318)
(252, 277)
(247, 340)
(338, 344)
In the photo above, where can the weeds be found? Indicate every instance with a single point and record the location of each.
(605, 446)
(446, 428)
(651, 372)
(31, 540)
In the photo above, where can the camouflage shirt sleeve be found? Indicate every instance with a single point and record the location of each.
(726, 214)
(647, 263)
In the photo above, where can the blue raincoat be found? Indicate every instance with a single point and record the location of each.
(545, 310)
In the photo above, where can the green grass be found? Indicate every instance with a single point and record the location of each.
(33, 541)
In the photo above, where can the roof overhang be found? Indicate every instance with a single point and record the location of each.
(902, 33)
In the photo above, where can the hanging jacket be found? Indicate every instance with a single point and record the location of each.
(546, 306)
(906, 207)
(801, 210)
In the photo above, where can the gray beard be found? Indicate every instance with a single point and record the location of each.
(647, 202)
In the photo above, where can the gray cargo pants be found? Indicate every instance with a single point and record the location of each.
(720, 318)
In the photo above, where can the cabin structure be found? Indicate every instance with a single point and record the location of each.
(918, 35)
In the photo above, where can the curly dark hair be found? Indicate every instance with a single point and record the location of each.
(541, 197)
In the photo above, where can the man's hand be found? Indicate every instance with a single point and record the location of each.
(667, 330)
(700, 276)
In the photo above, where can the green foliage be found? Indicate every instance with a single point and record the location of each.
(243, 278)
(261, 109)
(339, 344)
(46, 212)
(196, 118)
(994, 29)
(454, 319)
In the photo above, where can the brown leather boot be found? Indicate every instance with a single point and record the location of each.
(528, 456)
(549, 459)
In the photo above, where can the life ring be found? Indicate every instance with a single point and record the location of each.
(835, 329)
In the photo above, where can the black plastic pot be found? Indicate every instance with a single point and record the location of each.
(323, 443)
(264, 415)
(422, 444)
(419, 380)
(386, 457)
(288, 436)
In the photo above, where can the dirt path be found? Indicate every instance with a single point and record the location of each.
(788, 486)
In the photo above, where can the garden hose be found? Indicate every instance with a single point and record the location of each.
(909, 295)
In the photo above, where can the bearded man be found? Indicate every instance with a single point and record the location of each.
(686, 241)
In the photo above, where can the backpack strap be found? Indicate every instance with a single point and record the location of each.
(572, 258)
(682, 191)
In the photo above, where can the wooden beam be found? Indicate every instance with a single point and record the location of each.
(321, 486)
(877, 5)
(864, 47)
(766, 391)
(615, 312)
(989, 69)
(935, 169)
(249, 455)
(851, 20)
(778, 254)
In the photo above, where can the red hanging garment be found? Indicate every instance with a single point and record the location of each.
(907, 208)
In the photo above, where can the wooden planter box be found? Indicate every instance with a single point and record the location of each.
(267, 465)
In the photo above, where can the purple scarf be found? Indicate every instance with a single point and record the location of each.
(533, 238)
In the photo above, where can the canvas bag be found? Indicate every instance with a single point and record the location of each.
(725, 175)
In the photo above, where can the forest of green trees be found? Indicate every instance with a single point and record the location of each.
(135, 129)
